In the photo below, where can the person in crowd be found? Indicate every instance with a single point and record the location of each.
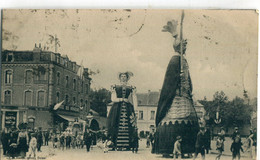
(148, 141)
(32, 146)
(222, 133)
(39, 139)
(135, 142)
(254, 138)
(152, 135)
(12, 149)
(200, 144)
(235, 148)
(88, 139)
(73, 141)
(235, 133)
(207, 140)
(68, 140)
(78, 141)
(4, 140)
(106, 145)
(62, 141)
(46, 138)
(177, 148)
(219, 147)
(54, 140)
(249, 144)
(23, 142)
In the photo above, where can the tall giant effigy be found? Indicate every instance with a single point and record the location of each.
(176, 114)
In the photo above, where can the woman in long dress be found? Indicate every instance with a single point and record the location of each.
(176, 115)
(23, 142)
(121, 119)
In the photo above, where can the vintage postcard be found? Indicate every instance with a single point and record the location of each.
(128, 84)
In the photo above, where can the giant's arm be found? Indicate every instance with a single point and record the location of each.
(134, 99)
(113, 93)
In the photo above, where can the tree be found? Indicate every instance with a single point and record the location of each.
(232, 113)
(99, 100)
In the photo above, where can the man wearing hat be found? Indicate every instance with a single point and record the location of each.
(235, 133)
(200, 144)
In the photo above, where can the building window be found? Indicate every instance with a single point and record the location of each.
(7, 97)
(67, 81)
(81, 103)
(40, 99)
(28, 76)
(86, 88)
(74, 100)
(42, 76)
(10, 57)
(66, 62)
(82, 86)
(66, 99)
(141, 115)
(28, 98)
(58, 78)
(74, 84)
(152, 115)
(86, 103)
(8, 77)
(58, 97)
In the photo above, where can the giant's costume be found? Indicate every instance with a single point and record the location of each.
(121, 118)
(176, 115)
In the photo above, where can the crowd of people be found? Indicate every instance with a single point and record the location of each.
(17, 142)
(203, 144)
(24, 142)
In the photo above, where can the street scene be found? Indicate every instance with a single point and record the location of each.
(129, 84)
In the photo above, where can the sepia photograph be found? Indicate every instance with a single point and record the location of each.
(128, 84)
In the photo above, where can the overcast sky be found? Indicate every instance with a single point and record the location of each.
(221, 51)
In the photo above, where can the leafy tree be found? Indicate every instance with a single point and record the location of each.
(99, 100)
(232, 113)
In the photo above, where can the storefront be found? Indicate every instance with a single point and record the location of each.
(10, 118)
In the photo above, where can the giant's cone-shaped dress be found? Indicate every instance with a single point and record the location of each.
(176, 115)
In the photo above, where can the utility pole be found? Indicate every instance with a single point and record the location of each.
(181, 47)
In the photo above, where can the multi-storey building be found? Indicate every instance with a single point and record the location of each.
(34, 81)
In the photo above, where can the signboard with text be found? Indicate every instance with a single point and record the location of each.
(10, 119)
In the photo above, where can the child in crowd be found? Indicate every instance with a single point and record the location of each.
(106, 145)
(177, 148)
(32, 146)
(220, 147)
(235, 148)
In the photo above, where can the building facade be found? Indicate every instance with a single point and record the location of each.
(33, 82)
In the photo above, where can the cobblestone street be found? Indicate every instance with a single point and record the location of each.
(144, 153)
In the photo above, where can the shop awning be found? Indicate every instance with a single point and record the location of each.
(71, 118)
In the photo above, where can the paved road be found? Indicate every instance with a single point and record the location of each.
(144, 154)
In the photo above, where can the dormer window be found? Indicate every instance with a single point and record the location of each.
(10, 57)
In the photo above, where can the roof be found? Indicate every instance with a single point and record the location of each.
(150, 98)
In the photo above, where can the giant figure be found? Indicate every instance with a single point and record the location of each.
(176, 115)
(121, 121)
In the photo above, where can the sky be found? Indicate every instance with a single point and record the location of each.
(222, 45)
